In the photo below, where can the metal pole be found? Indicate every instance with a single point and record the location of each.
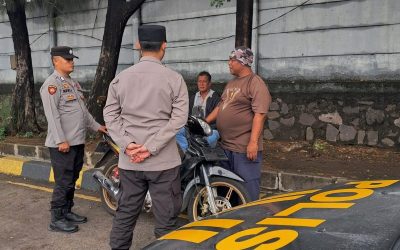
(136, 22)
(52, 35)
(244, 20)
(254, 40)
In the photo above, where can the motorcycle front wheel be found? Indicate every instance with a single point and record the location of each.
(111, 172)
(228, 193)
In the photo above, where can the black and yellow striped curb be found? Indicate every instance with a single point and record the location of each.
(270, 180)
(42, 171)
(41, 153)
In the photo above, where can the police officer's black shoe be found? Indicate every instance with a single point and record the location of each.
(58, 222)
(75, 218)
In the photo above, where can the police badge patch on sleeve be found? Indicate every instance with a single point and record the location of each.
(52, 89)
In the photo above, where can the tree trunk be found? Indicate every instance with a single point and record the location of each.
(118, 14)
(23, 98)
(244, 23)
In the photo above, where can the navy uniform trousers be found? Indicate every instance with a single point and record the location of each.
(249, 170)
(66, 169)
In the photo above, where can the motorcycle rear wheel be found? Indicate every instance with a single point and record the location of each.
(111, 172)
(230, 193)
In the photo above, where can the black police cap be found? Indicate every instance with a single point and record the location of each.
(63, 51)
(152, 33)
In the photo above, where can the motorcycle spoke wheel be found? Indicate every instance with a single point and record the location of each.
(229, 194)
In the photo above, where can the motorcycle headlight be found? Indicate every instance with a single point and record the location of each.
(206, 128)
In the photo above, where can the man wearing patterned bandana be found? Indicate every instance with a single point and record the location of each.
(68, 120)
(240, 119)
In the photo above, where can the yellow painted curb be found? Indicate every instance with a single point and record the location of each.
(11, 166)
(51, 176)
(78, 182)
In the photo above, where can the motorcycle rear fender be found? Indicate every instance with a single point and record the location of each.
(108, 156)
(211, 171)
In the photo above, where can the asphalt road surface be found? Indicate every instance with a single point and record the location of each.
(24, 209)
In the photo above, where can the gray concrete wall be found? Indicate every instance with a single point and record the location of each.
(330, 40)
(324, 40)
(328, 58)
(80, 27)
(192, 26)
(37, 23)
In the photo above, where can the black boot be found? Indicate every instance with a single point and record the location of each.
(73, 217)
(60, 224)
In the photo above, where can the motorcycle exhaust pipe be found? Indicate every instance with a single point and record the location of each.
(107, 184)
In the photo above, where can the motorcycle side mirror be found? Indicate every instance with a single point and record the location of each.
(206, 128)
(198, 126)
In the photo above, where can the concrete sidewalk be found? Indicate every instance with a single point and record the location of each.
(33, 162)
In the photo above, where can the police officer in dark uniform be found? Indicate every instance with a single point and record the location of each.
(68, 120)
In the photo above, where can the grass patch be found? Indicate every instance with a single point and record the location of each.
(5, 114)
(320, 145)
(2, 133)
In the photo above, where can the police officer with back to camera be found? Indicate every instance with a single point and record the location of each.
(68, 120)
(146, 106)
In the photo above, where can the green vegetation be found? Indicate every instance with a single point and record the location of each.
(5, 114)
(2, 133)
(28, 134)
(320, 145)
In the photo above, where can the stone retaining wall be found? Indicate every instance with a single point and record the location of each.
(363, 115)
(338, 118)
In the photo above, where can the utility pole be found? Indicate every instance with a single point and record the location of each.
(244, 23)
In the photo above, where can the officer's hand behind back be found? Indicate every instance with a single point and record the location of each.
(63, 147)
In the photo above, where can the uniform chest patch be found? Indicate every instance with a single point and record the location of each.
(66, 88)
(52, 89)
(71, 97)
(60, 78)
